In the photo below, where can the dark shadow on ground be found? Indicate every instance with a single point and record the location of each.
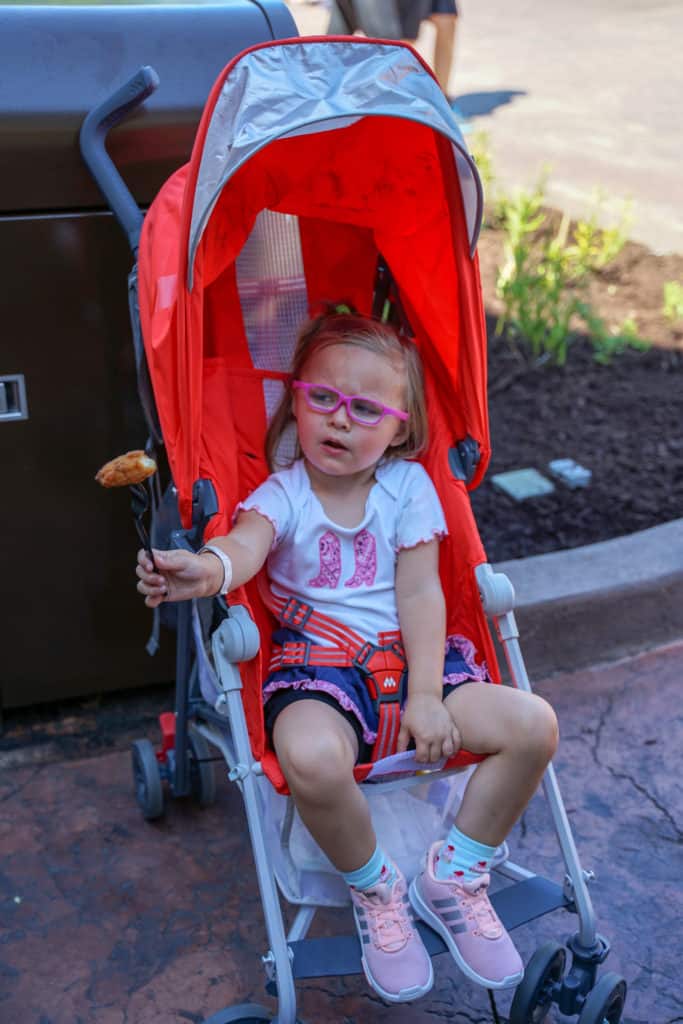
(478, 104)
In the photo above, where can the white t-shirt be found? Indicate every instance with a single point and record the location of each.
(347, 572)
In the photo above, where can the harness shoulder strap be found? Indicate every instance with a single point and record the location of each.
(299, 615)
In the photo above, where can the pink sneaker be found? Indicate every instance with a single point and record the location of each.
(395, 962)
(461, 913)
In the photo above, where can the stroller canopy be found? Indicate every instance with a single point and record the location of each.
(276, 92)
(312, 157)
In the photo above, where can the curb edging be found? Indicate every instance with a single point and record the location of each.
(599, 602)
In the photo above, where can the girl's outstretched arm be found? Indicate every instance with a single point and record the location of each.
(422, 616)
(183, 575)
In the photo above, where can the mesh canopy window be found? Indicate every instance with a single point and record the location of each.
(274, 302)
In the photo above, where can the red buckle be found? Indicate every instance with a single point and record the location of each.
(384, 669)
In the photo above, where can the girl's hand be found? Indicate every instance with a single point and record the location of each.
(427, 720)
(181, 575)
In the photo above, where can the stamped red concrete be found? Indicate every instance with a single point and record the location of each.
(108, 920)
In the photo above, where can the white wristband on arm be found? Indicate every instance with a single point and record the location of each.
(225, 562)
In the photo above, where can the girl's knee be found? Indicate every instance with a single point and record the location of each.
(316, 764)
(537, 731)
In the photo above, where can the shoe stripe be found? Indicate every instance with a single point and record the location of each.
(451, 915)
(457, 929)
(450, 902)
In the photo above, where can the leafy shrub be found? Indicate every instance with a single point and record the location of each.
(544, 276)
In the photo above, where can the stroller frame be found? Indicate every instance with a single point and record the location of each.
(291, 955)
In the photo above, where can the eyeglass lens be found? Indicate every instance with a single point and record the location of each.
(363, 409)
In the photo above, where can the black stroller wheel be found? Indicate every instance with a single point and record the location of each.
(605, 1003)
(147, 780)
(202, 775)
(533, 996)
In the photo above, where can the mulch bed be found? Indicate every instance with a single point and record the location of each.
(623, 421)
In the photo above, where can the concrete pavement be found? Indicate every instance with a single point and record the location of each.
(105, 919)
(589, 88)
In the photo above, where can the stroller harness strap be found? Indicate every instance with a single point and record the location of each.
(382, 665)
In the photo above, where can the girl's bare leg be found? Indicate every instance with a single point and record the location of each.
(519, 732)
(317, 749)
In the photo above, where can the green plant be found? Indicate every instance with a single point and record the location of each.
(544, 276)
(609, 343)
(594, 247)
(673, 301)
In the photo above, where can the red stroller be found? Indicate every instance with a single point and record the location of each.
(322, 168)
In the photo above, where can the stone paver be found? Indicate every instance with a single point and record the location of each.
(107, 920)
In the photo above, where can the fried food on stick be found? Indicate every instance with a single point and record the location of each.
(126, 470)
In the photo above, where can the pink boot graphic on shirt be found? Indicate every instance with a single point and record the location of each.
(365, 553)
(329, 547)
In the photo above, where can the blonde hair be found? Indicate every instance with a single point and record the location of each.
(351, 328)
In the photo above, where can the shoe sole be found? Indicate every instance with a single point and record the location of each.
(437, 925)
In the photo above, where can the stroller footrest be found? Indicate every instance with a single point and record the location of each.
(524, 901)
(338, 955)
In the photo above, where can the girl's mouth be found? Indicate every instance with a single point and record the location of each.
(335, 446)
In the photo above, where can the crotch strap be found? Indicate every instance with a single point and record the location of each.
(382, 665)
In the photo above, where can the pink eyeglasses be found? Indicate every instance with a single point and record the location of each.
(366, 411)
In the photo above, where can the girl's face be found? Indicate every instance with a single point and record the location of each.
(332, 442)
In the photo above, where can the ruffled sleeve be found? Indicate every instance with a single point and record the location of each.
(420, 516)
(274, 501)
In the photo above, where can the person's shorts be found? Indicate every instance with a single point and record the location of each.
(444, 7)
(384, 19)
(379, 19)
(413, 12)
(345, 688)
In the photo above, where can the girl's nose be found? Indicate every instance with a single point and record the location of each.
(340, 417)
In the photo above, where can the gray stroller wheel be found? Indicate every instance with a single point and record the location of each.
(605, 1003)
(147, 780)
(202, 775)
(533, 996)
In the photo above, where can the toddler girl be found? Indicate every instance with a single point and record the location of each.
(351, 531)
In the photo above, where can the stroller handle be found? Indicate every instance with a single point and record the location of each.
(93, 135)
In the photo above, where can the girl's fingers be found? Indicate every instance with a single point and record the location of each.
(144, 561)
(402, 742)
(159, 589)
(422, 752)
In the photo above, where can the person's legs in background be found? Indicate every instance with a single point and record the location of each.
(342, 19)
(376, 18)
(445, 22)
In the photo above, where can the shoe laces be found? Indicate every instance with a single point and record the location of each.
(389, 921)
(474, 899)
